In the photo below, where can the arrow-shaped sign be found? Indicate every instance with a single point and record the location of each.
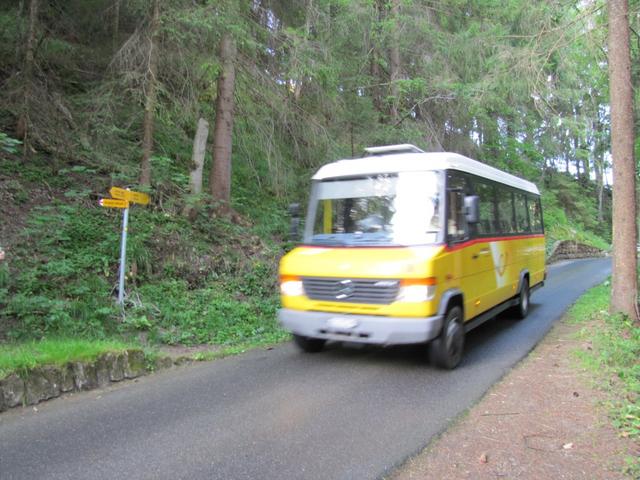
(113, 203)
(130, 196)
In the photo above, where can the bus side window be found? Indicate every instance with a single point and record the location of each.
(505, 211)
(456, 221)
(535, 214)
(522, 219)
(486, 192)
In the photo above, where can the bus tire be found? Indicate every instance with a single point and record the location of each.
(308, 344)
(522, 309)
(445, 351)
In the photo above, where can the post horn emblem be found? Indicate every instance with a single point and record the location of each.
(346, 288)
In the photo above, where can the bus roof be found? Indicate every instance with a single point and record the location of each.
(411, 162)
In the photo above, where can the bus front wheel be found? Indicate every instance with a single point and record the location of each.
(446, 350)
(308, 344)
(522, 309)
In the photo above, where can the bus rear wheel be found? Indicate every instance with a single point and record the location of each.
(522, 309)
(308, 344)
(446, 350)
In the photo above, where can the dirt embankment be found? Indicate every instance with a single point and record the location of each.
(542, 421)
(570, 249)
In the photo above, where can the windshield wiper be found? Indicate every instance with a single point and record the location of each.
(328, 240)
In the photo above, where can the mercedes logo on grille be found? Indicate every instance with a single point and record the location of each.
(346, 288)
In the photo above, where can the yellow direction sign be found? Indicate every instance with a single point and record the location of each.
(113, 203)
(128, 195)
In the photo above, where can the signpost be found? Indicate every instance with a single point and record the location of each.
(120, 199)
(128, 195)
(113, 203)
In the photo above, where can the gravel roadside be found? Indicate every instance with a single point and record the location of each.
(544, 420)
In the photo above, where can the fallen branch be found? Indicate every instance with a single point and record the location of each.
(499, 414)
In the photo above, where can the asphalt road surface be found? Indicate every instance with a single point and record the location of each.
(346, 413)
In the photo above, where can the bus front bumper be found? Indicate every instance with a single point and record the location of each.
(360, 328)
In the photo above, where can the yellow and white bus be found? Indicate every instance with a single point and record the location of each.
(403, 246)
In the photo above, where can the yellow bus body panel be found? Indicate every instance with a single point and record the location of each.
(486, 271)
(491, 269)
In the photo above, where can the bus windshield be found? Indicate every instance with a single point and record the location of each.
(387, 209)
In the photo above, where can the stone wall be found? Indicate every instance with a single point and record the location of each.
(46, 382)
(568, 249)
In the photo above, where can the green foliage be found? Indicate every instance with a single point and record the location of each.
(517, 85)
(8, 144)
(569, 214)
(4, 275)
(219, 314)
(613, 356)
(19, 357)
(61, 286)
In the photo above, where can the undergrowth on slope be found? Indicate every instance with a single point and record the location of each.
(569, 214)
(209, 280)
(612, 358)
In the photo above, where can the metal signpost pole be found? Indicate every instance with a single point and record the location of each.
(123, 255)
(121, 198)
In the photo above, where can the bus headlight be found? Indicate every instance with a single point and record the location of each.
(291, 286)
(417, 290)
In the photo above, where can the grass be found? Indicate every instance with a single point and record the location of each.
(23, 356)
(612, 360)
(236, 349)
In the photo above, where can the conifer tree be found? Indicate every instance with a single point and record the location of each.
(624, 288)
(150, 96)
(220, 178)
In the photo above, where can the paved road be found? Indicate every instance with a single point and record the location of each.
(346, 413)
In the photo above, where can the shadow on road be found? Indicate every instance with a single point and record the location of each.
(477, 346)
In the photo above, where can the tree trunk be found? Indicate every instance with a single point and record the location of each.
(586, 168)
(576, 154)
(19, 33)
(116, 24)
(24, 122)
(491, 135)
(598, 166)
(374, 64)
(220, 177)
(584, 149)
(197, 157)
(394, 60)
(197, 160)
(151, 98)
(376, 75)
(624, 280)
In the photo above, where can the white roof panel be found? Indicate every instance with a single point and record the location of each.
(388, 149)
(412, 162)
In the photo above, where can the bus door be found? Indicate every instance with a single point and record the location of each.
(479, 258)
(471, 258)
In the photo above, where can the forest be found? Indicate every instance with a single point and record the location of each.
(102, 93)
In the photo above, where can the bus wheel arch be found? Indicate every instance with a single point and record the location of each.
(521, 309)
(449, 299)
(445, 351)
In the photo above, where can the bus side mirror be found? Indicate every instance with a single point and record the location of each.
(472, 208)
(294, 212)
